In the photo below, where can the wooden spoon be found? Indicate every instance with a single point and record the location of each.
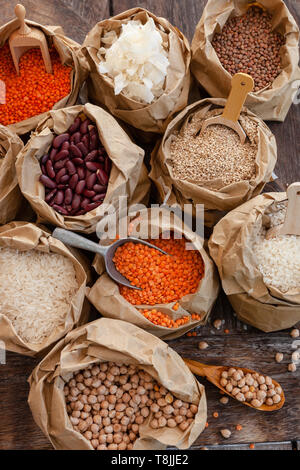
(108, 252)
(26, 38)
(241, 85)
(213, 374)
(291, 225)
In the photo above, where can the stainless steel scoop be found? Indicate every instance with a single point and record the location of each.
(108, 252)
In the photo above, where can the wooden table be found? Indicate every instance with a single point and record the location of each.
(242, 345)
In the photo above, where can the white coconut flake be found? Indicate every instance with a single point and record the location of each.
(136, 61)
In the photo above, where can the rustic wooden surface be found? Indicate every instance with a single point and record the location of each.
(242, 345)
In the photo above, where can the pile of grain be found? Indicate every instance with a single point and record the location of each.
(36, 291)
(278, 259)
(216, 154)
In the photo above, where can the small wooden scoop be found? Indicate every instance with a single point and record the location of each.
(213, 374)
(291, 225)
(108, 252)
(26, 38)
(241, 85)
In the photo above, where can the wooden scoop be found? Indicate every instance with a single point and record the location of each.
(26, 38)
(108, 252)
(213, 374)
(241, 85)
(291, 225)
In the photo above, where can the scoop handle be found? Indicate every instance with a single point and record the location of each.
(77, 241)
(196, 367)
(20, 14)
(241, 85)
(291, 224)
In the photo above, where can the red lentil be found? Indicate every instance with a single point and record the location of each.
(162, 319)
(163, 279)
(34, 91)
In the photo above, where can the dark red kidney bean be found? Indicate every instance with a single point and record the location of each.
(88, 173)
(99, 188)
(69, 208)
(64, 179)
(81, 173)
(73, 181)
(80, 187)
(68, 196)
(50, 195)
(70, 167)
(43, 168)
(62, 186)
(59, 140)
(78, 161)
(86, 141)
(82, 148)
(75, 151)
(102, 177)
(65, 145)
(80, 212)
(62, 172)
(88, 193)
(99, 197)
(59, 198)
(91, 156)
(60, 164)
(91, 180)
(60, 209)
(75, 138)
(52, 154)
(76, 201)
(92, 206)
(84, 126)
(107, 165)
(44, 159)
(94, 142)
(75, 126)
(50, 169)
(51, 203)
(92, 129)
(61, 155)
(47, 182)
(101, 158)
(85, 202)
(93, 166)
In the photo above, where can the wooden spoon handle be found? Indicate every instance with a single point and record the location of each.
(291, 224)
(20, 14)
(241, 85)
(196, 367)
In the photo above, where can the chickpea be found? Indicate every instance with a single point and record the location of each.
(231, 371)
(225, 433)
(294, 333)
(279, 357)
(263, 387)
(261, 395)
(224, 400)
(145, 412)
(256, 403)
(229, 387)
(236, 376)
(109, 438)
(223, 382)
(154, 423)
(171, 423)
(202, 345)
(292, 367)
(269, 401)
(183, 426)
(235, 391)
(103, 413)
(276, 398)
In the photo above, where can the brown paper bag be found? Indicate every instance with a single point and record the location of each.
(230, 246)
(155, 116)
(127, 166)
(10, 194)
(112, 340)
(219, 201)
(271, 103)
(70, 54)
(106, 297)
(25, 236)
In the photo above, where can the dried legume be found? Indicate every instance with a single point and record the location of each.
(163, 279)
(34, 91)
(247, 44)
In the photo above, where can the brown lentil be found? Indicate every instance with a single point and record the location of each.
(247, 44)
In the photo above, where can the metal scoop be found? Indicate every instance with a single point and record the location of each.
(291, 225)
(108, 252)
(241, 85)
